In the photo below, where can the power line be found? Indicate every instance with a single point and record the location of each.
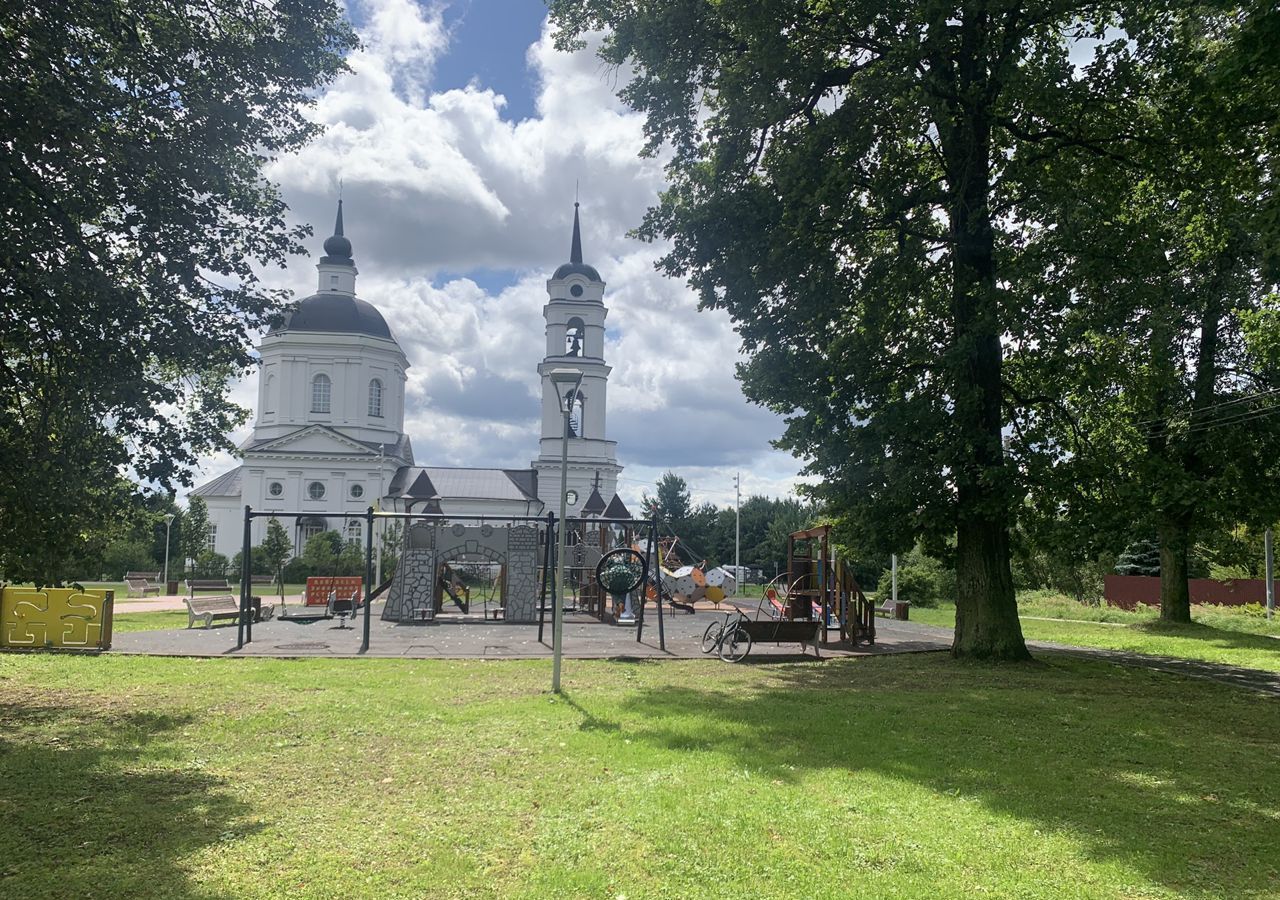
(1236, 417)
(1211, 407)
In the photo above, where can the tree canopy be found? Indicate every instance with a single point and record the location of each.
(853, 183)
(135, 216)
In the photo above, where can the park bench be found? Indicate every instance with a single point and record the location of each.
(261, 611)
(141, 583)
(782, 631)
(262, 579)
(893, 609)
(210, 608)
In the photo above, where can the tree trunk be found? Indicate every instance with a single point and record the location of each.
(987, 624)
(1174, 532)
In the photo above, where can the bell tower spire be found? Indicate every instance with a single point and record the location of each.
(575, 249)
(575, 315)
(337, 267)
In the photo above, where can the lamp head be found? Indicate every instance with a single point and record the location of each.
(563, 378)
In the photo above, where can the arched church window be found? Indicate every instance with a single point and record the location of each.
(353, 533)
(375, 398)
(574, 332)
(575, 412)
(321, 391)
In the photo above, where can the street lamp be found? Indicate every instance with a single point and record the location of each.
(168, 521)
(572, 379)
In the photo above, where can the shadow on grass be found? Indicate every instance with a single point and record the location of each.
(1225, 637)
(1179, 781)
(93, 805)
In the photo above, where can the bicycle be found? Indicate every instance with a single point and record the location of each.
(730, 640)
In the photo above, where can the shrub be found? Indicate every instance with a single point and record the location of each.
(127, 556)
(922, 580)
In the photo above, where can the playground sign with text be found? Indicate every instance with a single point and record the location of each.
(342, 587)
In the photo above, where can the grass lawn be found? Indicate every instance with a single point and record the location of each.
(1217, 635)
(912, 776)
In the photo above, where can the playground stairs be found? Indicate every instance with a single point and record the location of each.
(822, 586)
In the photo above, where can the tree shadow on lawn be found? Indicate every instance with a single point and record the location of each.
(93, 805)
(1176, 779)
(1223, 637)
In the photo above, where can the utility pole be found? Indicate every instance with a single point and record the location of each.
(893, 579)
(737, 529)
(1271, 584)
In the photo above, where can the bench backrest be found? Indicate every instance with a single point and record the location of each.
(214, 604)
(207, 584)
(261, 579)
(141, 576)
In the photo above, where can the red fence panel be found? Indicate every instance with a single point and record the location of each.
(1127, 591)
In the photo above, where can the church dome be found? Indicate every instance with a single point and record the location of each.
(578, 268)
(338, 246)
(336, 313)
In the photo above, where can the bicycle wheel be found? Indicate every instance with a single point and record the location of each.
(735, 645)
(711, 636)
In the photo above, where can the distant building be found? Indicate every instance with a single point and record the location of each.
(329, 440)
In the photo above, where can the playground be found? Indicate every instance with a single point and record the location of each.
(471, 587)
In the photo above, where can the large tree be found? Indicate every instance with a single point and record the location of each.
(1159, 354)
(842, 182)
(134, 214)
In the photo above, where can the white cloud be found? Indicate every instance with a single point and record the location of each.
(438, 184)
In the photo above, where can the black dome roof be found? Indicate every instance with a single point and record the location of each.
(577, 268)
(338, 314)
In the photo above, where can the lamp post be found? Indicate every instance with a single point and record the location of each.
(168, 522)
(572, 379)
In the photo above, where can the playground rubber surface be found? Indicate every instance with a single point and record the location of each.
(456, 637)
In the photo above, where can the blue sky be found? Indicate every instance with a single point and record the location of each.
(488, 40)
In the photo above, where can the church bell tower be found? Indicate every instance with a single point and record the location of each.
(575, 315)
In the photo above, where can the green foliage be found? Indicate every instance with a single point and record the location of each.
(136, 217)
(671, 504)
(392, 536)
(126, 555)
(276, 548)
(194, 537)
(849, 185)
(1156, 359)
(258, 563)
(922, 580)
(211, 564)
(1142, 557)
(326, 553)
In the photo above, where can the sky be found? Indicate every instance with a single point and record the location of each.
(459, 138)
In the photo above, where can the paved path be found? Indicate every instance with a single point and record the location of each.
(470, 638)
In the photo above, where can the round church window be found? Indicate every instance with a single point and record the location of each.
(315, 490)
(275, 489)
(576, 290)
(357, 491)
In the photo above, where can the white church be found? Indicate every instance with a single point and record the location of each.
(328, 438)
